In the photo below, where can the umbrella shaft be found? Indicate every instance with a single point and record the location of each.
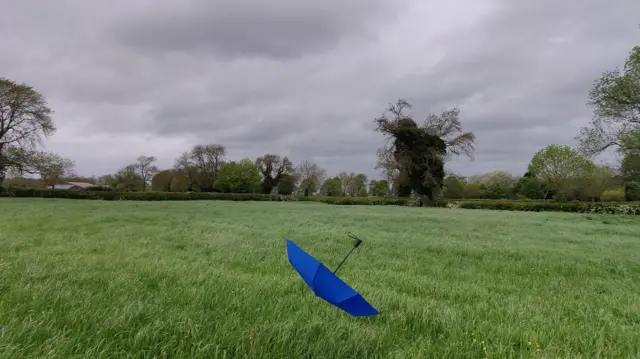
(345, 258)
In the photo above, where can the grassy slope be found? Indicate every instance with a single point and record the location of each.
(211, 279)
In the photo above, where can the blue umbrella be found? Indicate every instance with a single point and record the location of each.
(326, 284)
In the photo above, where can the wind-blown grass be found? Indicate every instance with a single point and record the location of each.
(85, 279)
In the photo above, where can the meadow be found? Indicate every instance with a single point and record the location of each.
(210, 279)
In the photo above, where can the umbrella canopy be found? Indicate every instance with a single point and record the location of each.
(326, 284)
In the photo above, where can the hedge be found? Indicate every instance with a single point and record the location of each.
(508, 205)
(551, 206)
(185, 196)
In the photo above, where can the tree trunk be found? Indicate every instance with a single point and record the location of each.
(3, 174)
(425, 201)
(627, 195)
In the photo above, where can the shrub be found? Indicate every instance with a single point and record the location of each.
(612, 195)
(505, 205)
(552, 206)
(98, 188)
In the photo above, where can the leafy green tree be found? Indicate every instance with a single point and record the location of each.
(272, 168)
(496, 191)
(354, 184)
(595, 181)
(238, 177)
(126, 179)
(474, 190)
(331, 187)
(498, 184)
(454, 187)
(556, 165)
(630, 166)
(379, 188)
(615, 98)
(25, 119)
(530, 187)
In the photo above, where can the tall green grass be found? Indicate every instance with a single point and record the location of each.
(93, 279)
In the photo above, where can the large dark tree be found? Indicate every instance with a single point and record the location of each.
(416, 154)
(272, 168)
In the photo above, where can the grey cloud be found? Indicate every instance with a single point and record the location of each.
(279, 29)
(308, 82)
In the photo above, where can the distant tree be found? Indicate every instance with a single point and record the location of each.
(53, 168)
(528, 186)
(75, 178)
(630, 168)
(498, 184)
(454, 187)
(344, 182)
(146, 169)
(311, 176)
(238, 177)
(287, 184)
(331, 187)
(474, 190)
(25, 119)
(596, 180)
(556, 165)
(448, 127)
(615, 98)
(185, 166)
(417, 155)
(127, 179)
(161, 181)
(353, 184)
(208, 160)
(379, 188)
(107, 180)
(272, 168)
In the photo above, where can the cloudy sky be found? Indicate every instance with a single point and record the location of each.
(306, 78)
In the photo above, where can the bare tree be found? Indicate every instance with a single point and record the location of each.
(54, 168)
(185, 166)
(208, 159)
(145, 169)
(25, 119)
(447, 126)
(311, 176)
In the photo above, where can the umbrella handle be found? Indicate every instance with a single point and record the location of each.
(357, 240)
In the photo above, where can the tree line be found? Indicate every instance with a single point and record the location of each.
(412, 161)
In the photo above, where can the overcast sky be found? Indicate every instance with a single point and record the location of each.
(306, 78)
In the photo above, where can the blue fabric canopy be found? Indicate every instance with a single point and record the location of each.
(327, 285)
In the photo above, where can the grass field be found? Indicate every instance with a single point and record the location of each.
(210, 279)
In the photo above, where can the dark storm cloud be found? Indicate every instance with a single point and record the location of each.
(278, 29)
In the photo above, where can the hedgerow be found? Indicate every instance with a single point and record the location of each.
(505, 205)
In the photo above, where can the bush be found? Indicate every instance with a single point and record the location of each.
(505, 205)
(552, 206)
(98, 189)
(632, 191)
(612, 195)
